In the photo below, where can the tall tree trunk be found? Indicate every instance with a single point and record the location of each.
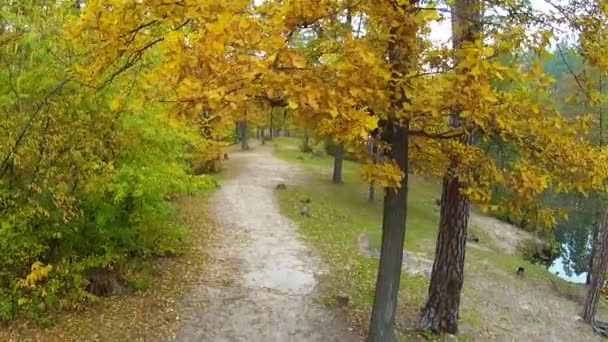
(338, 158)
(402, 53)
(592, 256)
(244, 142)
(375, 154)
(271, 124)
(393, 234)
(306, 142)
(371, 192)
(441, 310)
(600, 263)
(598, 195)
(237, 130)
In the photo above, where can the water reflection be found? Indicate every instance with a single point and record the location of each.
(562, 268)
(574, 237)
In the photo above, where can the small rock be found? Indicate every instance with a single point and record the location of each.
(472, 238)
(305, 211)
(281, 186)
(305, 200)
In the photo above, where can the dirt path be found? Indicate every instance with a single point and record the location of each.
(261, 280)
(504, 235)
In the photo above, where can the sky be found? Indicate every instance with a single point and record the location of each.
(441, 32)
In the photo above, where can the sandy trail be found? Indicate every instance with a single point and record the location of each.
(261, 279)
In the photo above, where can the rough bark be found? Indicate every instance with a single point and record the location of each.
(591, 257)
(338, 158)
(393, 234)
(441, 310)
(598, 196)
(600, 264)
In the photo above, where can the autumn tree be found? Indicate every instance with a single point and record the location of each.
(86, 163)
(560, 158)
(235, 59)
(440, 312)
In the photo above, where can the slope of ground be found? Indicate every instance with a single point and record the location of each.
(496, 304)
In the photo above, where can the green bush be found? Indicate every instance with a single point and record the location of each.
(127, 217)
(539, 252)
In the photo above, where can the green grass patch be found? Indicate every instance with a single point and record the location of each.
(339, 214)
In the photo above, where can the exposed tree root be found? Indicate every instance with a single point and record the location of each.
(600, 328)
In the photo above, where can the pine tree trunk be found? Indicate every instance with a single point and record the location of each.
(338, 158)
(441, 310)
(393, 234)
(600, 264)
(591, 257)
(440, 314)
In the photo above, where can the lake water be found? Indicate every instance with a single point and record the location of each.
(562, 268)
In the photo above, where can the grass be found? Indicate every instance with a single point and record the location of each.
(340, 213)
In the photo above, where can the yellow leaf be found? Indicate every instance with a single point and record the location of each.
(114, 104)
(371, 122)
(292, 104)
(298, 61)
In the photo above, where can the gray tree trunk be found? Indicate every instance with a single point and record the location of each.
(393, 235)
(403, 58)
(338, 158)
(244, 142)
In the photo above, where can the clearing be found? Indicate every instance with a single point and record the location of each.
(264, 264)
(260, 285)
(496, 304)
